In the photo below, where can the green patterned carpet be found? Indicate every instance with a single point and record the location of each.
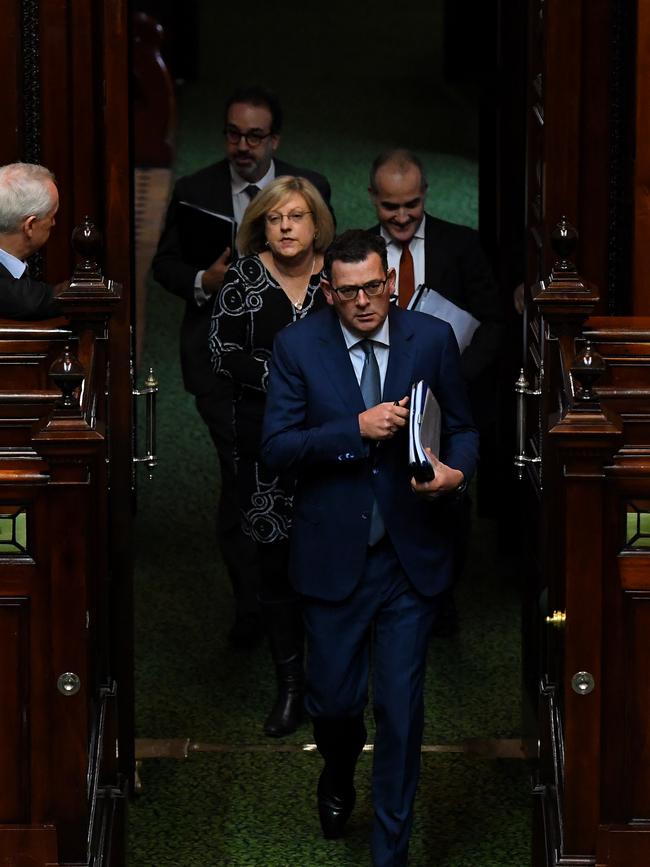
(247, 804)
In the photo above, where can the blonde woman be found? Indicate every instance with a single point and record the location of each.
(275, 282)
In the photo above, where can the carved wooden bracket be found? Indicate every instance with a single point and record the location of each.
(88, 284)
(588, 366)
(68, 375)
(564, 295)
(67, 416)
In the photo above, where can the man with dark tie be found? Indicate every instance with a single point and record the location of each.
(370, 547)
(252, 128)
(29, 201)
(448, 259)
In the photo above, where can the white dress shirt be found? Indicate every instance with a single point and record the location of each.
(16, 267)
(416, 246)
(380, 344)
(240, 200)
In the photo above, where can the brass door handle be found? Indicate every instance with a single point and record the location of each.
(149, 392)
(557, 619)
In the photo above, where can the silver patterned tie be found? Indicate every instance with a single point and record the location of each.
(371, 392)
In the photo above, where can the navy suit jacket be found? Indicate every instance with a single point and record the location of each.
(208, 188)
(24, 298)
(311, 429)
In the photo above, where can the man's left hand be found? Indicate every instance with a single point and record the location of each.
(445, 481)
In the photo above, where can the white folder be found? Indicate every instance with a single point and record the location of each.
(432, 302)
(424, 431)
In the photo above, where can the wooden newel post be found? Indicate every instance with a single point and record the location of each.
(87, 245)
(68, 375)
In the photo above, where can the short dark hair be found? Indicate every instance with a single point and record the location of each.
(402, 158)
(355, 245)
(257, 96)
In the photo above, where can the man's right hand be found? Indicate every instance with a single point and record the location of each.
(212, 279)
(382, 422)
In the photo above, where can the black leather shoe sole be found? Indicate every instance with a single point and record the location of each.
(334, 810)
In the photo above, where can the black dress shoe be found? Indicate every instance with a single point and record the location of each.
(333, 809)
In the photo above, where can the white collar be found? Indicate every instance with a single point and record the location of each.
(390, 241)
(15, 266)
(239, 184)
(381, 335)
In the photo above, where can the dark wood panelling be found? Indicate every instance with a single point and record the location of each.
(637, 703)
(623, 847)
(10, 77)
(15, 715)
(119, 253)
(642, 166)
(32, 846)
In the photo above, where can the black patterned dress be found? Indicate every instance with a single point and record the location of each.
(249, 311)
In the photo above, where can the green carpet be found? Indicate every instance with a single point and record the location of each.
(350, 89)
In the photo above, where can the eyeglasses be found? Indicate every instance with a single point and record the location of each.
(371, 289)
(253, 139)
(295, 217)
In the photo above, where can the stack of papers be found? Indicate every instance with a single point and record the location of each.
(432, 302)
(424, 431)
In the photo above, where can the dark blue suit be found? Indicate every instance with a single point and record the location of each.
(311, 429)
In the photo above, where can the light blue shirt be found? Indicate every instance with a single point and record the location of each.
(16, 267)
(380, 344)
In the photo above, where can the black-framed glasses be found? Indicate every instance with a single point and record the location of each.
(253, 139)
(371, 289)
(274, 218)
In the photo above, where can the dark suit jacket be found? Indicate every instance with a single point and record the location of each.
(456, 267)
(24, 298)
(311, 429)
(208, 188)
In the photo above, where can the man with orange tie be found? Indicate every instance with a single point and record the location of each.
(447, 258)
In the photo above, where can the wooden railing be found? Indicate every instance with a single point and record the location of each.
(588, 607)
(60, 780)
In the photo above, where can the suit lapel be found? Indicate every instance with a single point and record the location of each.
(434, 253)
(335, 358)
(401, 359)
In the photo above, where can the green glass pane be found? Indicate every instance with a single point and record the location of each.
(638, 527)
(13, 531)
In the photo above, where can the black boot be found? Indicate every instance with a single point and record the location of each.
(286, 639)
(287, 712)
(340, 742)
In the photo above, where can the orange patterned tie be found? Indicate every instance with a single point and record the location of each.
(406, 277)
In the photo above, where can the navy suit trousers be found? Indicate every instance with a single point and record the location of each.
(387, 618)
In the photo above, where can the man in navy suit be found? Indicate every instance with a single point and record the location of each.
(29, 201)
(252, 129)
(370, 547)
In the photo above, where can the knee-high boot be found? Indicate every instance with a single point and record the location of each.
(286, 639)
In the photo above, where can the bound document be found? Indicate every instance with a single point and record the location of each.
(424, 431)
(432, 302)
(204, 234)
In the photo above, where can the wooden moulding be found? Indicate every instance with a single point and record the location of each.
(35, 845)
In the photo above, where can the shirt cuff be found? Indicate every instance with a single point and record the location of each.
(200, 295)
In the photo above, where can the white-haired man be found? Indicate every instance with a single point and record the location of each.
(29, 201)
